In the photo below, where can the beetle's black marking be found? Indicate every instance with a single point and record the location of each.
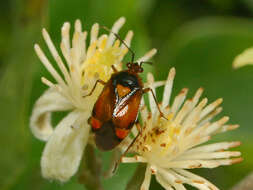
(106, 138)
(125, 79)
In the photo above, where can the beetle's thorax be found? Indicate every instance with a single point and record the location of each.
(128, 79)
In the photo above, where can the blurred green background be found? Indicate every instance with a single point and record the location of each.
(200, 38)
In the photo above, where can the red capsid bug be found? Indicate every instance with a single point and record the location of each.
(116, 109)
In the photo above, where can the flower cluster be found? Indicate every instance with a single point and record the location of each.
(170, 147)
(80, 69)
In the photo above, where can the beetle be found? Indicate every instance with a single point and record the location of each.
(116, 109)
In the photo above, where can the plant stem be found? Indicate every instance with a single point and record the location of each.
(91, 170)
(245, 184)
(137, 179)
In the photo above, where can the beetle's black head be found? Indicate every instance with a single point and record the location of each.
(134, 67)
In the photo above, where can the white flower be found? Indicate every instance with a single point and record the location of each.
(78, 72)
(171, 147)
(243, 59)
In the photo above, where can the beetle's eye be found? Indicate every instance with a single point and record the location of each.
(140, 69)
(128, 65)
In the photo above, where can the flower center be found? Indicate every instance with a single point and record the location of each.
(99, 64)
(158, 141)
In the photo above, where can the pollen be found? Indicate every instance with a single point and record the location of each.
(100, 59)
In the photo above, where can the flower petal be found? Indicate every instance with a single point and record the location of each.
(197, 181)
(163, 182)
(115, 29)
(63, 151)
(168, 87)
(214, 147)
(147, 56)
(152, 103)
(245, 58)
(40, 121)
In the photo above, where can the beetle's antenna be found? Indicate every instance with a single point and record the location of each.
(122, 41)
(147, 62)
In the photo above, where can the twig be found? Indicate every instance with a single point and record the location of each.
(91, 172)
(245, 184)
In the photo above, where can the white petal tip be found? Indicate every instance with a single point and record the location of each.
(121, 20)
(130, 32)
(43, 79)
(66, 25)
(153, 51)
(44, 30)
(65, 28)
(172, 73)
(234, 127)
(94, 29)
(204, 101)
(96, 25)
(36, 46)
(78, 26)
(38, 50)
(236, 154)
(235, 144)
(219, 101)
(184, 91)
(78, 21)
(219, 109)
(236, 160)
(200, 90)
(235, 65)
(223, 120)
(243, 59)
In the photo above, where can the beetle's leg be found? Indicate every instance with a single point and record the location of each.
(114, 69)
(98, 81)
(138, 126)
(149, 89)
(114, 159)
(139, 129)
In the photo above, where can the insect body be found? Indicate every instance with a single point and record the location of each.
(116, 109)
